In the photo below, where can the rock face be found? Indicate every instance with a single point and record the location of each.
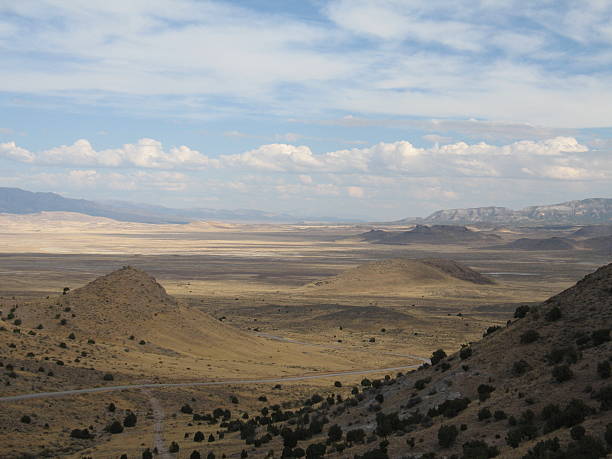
(587, 211)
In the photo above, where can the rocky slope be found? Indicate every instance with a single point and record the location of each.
(540, 387)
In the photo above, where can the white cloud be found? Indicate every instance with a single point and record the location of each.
(146, 153)
(561, 158)
(355, 191)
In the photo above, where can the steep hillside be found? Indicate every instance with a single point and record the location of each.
(593, 231)
(540, 387)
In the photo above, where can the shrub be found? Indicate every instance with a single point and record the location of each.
(562, 373)
(484, 391)
(197, 455)
(600, 336)
(553, 314)
(71, 336)
(108, 377)
(499, 415)
(543, 449)
(586, 447)
(465, 353)
(82, 434)
(491, 330)
(26, 419)
(337, 384)
(315, 450)
(577, 432)
(484, 413)
(437, 356)
(114, 427)
(421, 383)
(478, 449)
(447, 435)
(198, 436)
(560, 354)
(130, 420)
(356, 436)
(174, 447)
(520, 367)
(365, 382)
(608, 434)
(521, 311)
(603, 369)
(334, 433)
(147, 454)
(604, 395)
(186, 409)
(529, 336)
(450, 408)
(111, 407)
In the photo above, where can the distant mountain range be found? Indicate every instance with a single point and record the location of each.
(18, 201)
(587, 211)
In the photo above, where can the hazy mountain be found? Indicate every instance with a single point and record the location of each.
(587, 211)
(17, 201)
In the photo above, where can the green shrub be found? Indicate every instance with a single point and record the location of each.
(603, 369)
(600, 336)
(114, 427)
(130, 420)
(465, 353)
(553, 314)
(484, 391)
(174, 447)
(530, 336)
(484, 413)
(520, 367)
(437, 356)
(562, 373)
(478, 449)
(447, 435)
(521, 311)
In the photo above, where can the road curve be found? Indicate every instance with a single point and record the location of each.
(91, 390)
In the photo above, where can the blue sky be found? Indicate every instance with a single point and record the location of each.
(371, 109)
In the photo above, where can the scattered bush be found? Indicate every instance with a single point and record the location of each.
(82, 434)
(26, 419)
(478, 449)
(465, 353)
(447, 435)
(529, 336)
(491, 330)
(186, 409)
(484, 413)
(521, 311)
(562, 373)
(553, 314)
(437, 356)
(577, 432)
(421, 383)
(114, 427)
(130, 420)
(334, 433)
(174, 447)
(520, 367)
(600, 336)
(603, 369)
(484, 391)
(108, 377)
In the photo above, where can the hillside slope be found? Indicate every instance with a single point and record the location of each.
(398, 274)
(538, 388)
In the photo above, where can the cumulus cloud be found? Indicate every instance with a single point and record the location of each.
(561, 158)
(146, 153)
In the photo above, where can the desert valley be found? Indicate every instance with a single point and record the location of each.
(254, 340)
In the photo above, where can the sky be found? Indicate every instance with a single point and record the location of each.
(370, 109)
